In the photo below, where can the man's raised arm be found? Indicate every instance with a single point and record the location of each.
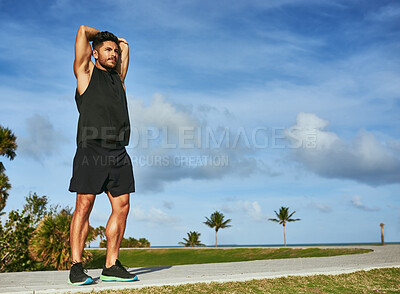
(123, 63)
(83, 50)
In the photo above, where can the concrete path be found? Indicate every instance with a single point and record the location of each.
(56, 281)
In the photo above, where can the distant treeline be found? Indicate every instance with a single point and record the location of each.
(129, 243)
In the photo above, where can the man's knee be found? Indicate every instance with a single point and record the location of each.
(122, 208)
(84, 206)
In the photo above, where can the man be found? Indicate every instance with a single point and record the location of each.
(101, 163)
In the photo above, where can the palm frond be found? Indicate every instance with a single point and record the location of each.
(8, 143)
(293, 219)
(284, 216)
(192, 240)
(274, 220)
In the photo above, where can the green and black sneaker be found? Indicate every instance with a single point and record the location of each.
(78, 276)
(117, 273)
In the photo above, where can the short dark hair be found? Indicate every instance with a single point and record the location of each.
(101, 37)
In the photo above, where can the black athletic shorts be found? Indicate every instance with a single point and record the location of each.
(98, 169)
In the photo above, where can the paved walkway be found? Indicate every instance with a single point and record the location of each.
(56, 281)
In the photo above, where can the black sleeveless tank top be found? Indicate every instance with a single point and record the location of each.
(103, 111)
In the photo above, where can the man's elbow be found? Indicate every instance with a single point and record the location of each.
(82, 30)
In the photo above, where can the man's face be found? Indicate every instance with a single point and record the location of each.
(107, 55)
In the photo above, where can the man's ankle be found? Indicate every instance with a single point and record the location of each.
(75, 262)
(109, 264)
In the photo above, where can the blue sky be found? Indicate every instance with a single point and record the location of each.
(240, 107)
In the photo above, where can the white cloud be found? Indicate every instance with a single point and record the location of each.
(226, 208)
(394, 144)
(159, 113)
(365, 159)
(322, 207)
(252, 209)
(387, 13)
(168, 204)
(169, 143)
(356, 201)
(42, 138)
(153, 216)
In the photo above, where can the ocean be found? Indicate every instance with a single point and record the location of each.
(281, 245)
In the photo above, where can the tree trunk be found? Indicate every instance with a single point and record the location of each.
(382, 234)
(216, 240)
(284, 235)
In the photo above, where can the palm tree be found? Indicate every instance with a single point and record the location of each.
(101, 232)
(382, 234)
(144, 243)
(8, 143)
(50, 241)
(217, 221)
(282, 218)
(4, 187)
(192, 240)
(92, 235)
(8, 146)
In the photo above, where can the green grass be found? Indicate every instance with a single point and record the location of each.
(179, 256)
(374, 281)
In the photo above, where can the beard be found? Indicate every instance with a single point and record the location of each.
(109, 64)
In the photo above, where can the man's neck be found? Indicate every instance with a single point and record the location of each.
(99, 66)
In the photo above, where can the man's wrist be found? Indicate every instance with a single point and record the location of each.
(121, 40)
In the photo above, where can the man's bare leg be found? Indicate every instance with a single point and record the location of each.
(116, 226)
(80, 224)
